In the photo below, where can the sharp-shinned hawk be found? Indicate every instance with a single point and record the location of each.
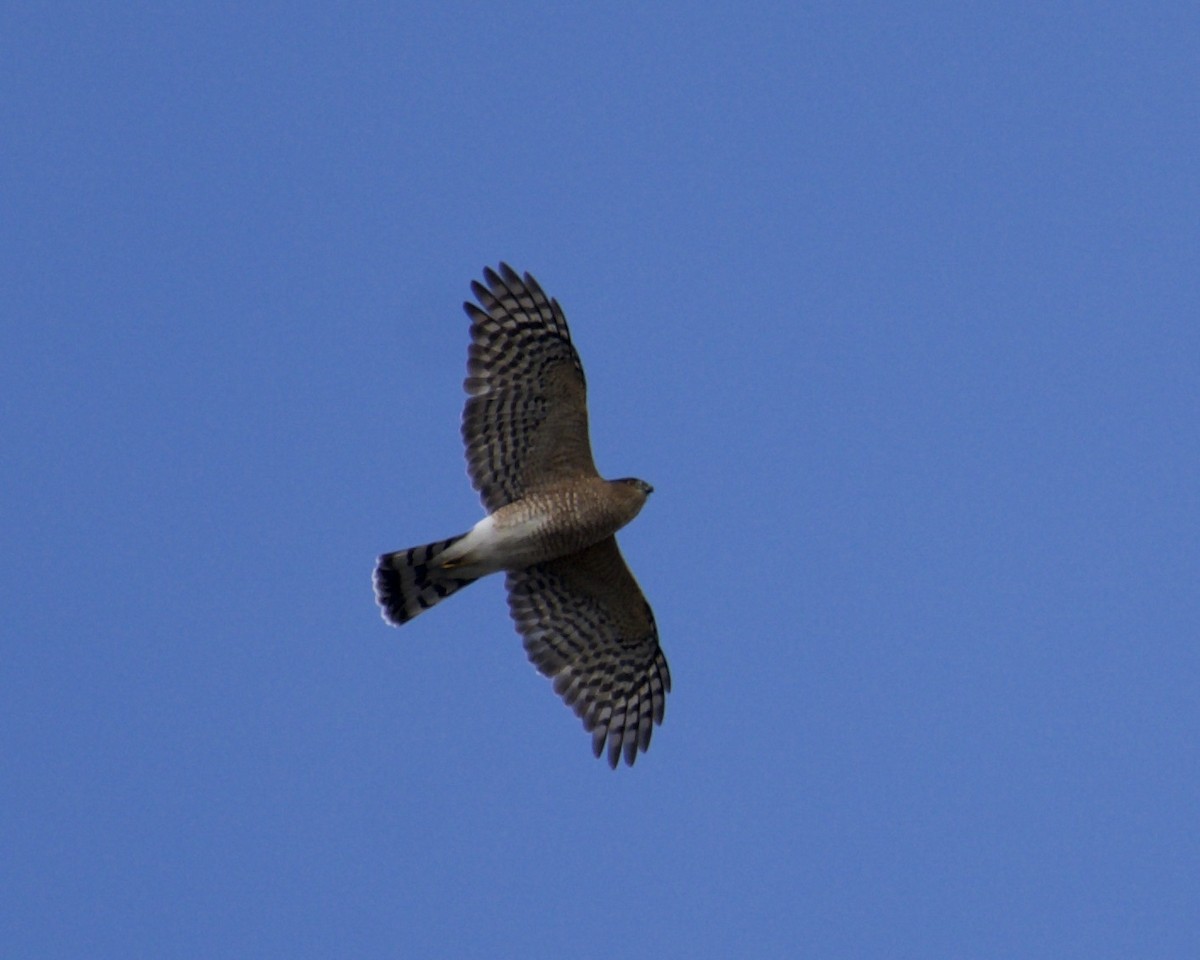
(550, 522)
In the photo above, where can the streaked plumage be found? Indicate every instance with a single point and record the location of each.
(550, 525)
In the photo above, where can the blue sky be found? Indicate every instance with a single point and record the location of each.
(896, 306)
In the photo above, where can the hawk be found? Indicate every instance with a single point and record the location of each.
(550, 524)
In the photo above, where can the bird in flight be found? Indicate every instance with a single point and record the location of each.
(550, 525)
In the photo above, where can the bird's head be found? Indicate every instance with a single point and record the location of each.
(641, 486)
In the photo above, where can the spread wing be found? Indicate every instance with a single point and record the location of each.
(587, 626)
(525, 422)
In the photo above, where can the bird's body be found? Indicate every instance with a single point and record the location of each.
(550, 526)
(545, 525)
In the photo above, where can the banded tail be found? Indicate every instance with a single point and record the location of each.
(410, 581)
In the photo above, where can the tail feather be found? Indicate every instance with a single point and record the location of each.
(408, 582)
